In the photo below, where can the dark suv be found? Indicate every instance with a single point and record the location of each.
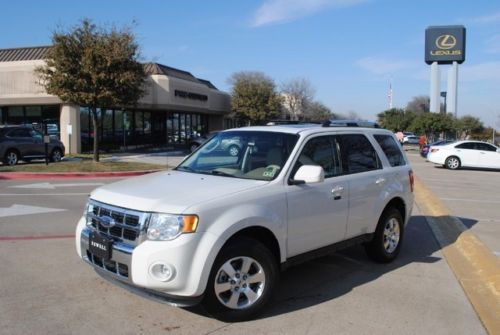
(24, 143)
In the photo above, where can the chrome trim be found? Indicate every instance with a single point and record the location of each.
(121, 253)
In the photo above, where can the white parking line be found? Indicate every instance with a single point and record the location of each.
(43, 194)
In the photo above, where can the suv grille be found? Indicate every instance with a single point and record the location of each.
(122, 224)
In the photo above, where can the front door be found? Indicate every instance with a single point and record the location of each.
(317, 213)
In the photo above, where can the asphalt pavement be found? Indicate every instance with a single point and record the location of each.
(46, 289)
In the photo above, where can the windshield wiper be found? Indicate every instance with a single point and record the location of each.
(221, 173)
(185, 168)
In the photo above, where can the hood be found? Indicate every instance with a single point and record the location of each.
(170, 191)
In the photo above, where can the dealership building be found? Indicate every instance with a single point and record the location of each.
(175, 107)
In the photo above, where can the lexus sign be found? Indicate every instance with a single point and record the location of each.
(445, 44)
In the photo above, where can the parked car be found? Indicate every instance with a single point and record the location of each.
(425, 148)
(24, 143)
(410, 139)
(218, 228)
(232, 145)
(472, 154)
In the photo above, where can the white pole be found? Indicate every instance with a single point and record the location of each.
(435, 95)
(451, 106)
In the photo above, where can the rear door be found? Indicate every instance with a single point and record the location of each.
(467, 153)
(366, 180)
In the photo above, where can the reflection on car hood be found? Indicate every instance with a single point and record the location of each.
(170, 191)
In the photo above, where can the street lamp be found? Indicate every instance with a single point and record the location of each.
(443, 94)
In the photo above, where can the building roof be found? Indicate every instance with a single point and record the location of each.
(38, 53)
(20, 54)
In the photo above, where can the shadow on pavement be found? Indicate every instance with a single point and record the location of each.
(333, 276)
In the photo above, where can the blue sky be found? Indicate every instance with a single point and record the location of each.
(347, 49)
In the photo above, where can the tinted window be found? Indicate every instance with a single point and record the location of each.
(467, 145)
(485, 147)
(320, 151)
(20, 133)
(358, 155)
(391, 149)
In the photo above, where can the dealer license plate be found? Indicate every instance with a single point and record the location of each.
(100, 246)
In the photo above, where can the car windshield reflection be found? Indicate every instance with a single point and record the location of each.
(258, 155)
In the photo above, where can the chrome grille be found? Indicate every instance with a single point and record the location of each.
(128, 226)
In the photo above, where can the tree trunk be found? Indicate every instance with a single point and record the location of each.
(95, 125)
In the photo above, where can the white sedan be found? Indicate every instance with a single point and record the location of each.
(465, 154)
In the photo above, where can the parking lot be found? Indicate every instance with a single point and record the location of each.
(46, 289)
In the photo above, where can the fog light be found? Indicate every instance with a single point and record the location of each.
(162, 271)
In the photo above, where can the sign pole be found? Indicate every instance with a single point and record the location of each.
(452, 89)
(435, 95)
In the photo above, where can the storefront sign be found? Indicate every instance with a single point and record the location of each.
(190, 95)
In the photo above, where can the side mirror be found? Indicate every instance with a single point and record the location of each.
(308, 174)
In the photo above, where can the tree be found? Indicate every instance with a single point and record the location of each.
(467, 125)
(254, 97)
(297, 97)
(94, 67)
(317, 112)
(395, 119)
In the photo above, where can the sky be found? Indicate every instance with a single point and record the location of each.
(349, 50)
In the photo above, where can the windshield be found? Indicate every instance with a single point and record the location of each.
(258, 155)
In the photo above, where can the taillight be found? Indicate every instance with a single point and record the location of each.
(412, 180)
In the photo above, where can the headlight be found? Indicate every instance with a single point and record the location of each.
(164, 227)
(89, 209)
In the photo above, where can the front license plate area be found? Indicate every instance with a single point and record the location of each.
(100, 246)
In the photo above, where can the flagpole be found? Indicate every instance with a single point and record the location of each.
(390, 94)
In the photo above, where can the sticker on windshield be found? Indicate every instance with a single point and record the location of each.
(270, 171)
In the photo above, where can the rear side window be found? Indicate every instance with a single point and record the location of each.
(20, 133)
(358, 154)
(467, 145)
(391, 149)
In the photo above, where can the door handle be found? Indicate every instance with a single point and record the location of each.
(337, 192)
(380, 181)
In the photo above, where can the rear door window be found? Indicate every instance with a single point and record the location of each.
(358, 154)
(391, 149)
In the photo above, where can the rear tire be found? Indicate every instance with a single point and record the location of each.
(56, 155)
(241, 281)
(386, 243)
(452, 163)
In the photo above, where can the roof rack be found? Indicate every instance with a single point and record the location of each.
(350, 123)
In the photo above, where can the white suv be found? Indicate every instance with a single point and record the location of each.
(219, 228)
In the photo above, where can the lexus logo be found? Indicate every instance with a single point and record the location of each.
(445, 42)
(107, 221)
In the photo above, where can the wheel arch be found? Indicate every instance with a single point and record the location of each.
(399, 204)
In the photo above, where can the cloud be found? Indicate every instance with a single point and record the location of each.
(280, 11)
(488, 71)
(493, 44)
(486, 19)
(382, 66)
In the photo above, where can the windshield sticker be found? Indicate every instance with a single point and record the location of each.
(270, 171)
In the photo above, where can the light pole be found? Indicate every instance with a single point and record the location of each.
(443, 95)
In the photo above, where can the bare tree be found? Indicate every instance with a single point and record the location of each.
(297, 94)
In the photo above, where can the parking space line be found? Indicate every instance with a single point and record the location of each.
(476, 267)
(43, 194)
(32, 238)
(472, 200)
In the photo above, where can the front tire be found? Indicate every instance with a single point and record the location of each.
(452, 163)
(241, 281)
(386, 242)
(11, 158)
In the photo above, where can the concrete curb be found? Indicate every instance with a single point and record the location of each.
(67, 175)
(477, 269)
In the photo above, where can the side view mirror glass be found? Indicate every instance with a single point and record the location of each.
(309, 174)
